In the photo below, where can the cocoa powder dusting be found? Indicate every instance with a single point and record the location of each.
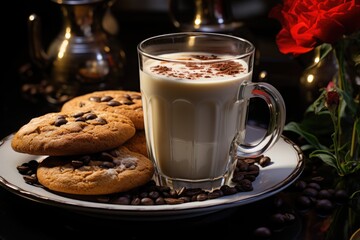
(195, 70)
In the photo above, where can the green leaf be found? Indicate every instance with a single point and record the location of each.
(318, 124)
(326, 157)
(306, 147)
(310, 138)
(325, 49)
(350, 102)
(357, 129)
(318, 105)
(321, 51)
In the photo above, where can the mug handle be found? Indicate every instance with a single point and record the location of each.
(277, 111)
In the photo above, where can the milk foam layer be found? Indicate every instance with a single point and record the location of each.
(198, 66)
(192, 113)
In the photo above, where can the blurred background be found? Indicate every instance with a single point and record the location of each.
(129, 22)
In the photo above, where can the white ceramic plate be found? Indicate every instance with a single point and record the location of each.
(287, 165)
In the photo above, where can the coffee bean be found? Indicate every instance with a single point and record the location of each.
(300, 184)
(237, 177)
(277, 221)
(201, 197)
(324, 194)
(310, 192)
(340, 196)
(185, 199)
(31, 179)
(173, 200)
(154, 194)
(264, 161)
(136, 201)
(262, 233)
(241, 166)
(23, 169)
(314, 185)
(151, 193)
(244, 186)
(303, 202)
(122, 200)
(324, 207)
(215, 194)
(160, 201)
(227, 190)
(147, 201)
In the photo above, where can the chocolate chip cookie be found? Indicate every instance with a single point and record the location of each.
(137, 143)
(123, 102)
(72, 133)
(107, 172)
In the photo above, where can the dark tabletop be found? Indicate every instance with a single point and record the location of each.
(22, 218)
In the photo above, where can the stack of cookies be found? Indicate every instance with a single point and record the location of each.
(94, 145)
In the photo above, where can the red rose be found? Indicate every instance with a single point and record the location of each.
(309, 23)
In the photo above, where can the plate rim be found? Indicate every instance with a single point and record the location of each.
(143, 211)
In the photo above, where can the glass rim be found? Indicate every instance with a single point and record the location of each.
(143, 52)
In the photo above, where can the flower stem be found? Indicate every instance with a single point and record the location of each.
(340, 82)
(354, 141)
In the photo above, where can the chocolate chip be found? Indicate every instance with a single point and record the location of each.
(150, 193)
(107, 164)
(90, 116)
(80, 119)
(95, 99)
(101, 121)
(77, 163)
(60, 121)
(79, 114)
(126, 102)
(135, 96)
(106, 99)
(113, 103)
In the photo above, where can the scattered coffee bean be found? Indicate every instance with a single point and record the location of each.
(150, 194)
(324, 194)
(303, 202)
(146, 201)
(264, 161)
(310, 192)
(340, 196)
(324, 207)
(173, 200)
(314, 185)
(277, 221)
(262, 233)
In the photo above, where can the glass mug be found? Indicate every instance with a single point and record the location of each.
(195, 91)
